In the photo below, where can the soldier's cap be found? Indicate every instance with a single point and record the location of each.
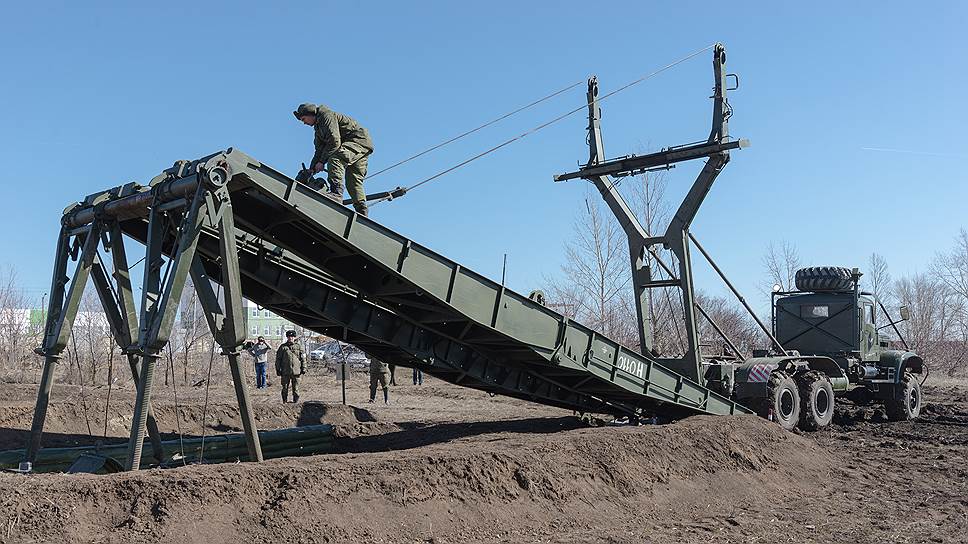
(290, 333)
(305, 109)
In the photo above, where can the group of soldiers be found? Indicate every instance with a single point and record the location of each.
(291, 364)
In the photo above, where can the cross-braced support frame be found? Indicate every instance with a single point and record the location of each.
(205, 204)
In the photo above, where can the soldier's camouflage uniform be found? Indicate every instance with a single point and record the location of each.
(290, 364)
(379, 374)
(346, 146)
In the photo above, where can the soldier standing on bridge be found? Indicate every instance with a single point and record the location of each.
(342, 143)
(379, 374)
(288, 356)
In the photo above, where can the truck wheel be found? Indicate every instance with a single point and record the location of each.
(782, 400)
(816, 401)
(861, 396)
(906, 403)
(823, 278)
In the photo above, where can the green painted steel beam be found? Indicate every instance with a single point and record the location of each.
(324, 266)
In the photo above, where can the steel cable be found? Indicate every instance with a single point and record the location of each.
(473, 130)
(556, 119)
(208, 384)
(174, 390)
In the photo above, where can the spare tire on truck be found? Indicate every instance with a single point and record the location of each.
(824, 278)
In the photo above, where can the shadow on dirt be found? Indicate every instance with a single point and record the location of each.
(416, 435)
(315, 413)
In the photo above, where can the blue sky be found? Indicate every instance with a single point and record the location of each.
(95, 95)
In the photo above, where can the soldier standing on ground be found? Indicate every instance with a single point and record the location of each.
(342, 143)
(379, 374)
(290, 364)
(260, 352)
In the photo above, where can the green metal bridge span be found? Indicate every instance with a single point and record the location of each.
(323, 266)
(343, 275)
(229, 220)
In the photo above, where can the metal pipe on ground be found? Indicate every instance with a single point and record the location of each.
(278, 443)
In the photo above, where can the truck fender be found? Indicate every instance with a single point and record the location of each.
(901, 362)
(758, 369)
(753, 375)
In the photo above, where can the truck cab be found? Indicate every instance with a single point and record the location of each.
(839, 325)
(829, 316)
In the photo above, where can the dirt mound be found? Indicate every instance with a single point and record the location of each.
(448, 464)
(439, 493)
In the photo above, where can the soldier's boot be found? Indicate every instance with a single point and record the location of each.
(361, 208)
(295, 398)
(335, 192)
(285, 397)
(386, 396)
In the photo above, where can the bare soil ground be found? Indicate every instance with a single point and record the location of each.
(443, 464)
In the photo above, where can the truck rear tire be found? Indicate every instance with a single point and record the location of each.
(816, 401)
(906, 403)
(824, 278)
(782, 402)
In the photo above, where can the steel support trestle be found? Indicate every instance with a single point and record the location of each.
(142, 340)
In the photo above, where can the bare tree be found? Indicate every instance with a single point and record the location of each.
(191, 338)
(93, 334)
(596, 285)
(735, 322)
(651, 204)
(596, 276)
(878, 278)
(951, 268)
(17, 333)
(781, 262)
(878, 281)
(933, 330)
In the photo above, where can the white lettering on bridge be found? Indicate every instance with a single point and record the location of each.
(631, 366)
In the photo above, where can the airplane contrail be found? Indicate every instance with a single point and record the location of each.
(913, 152)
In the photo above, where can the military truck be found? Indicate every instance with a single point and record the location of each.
(829, 329)
(824, 340)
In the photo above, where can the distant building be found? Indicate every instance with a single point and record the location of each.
(263, 322)
(258, 322)
(16, 320)
(25, 320)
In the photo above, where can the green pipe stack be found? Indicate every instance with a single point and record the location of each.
(223, 448)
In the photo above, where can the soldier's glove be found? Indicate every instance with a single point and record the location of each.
(304, 175)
